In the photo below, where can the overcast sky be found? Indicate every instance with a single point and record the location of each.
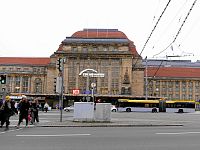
(35, 28)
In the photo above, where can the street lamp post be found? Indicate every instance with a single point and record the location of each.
(93, 85)
(146, 82)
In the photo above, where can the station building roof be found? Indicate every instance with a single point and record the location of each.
(173, 72)
(37, 61)
(100, 36)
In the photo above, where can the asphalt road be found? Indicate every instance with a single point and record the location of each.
(134, 138)
(184, 137)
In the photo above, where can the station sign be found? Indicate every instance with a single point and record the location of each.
(95, 75)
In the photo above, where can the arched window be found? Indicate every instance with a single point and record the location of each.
(38, 85)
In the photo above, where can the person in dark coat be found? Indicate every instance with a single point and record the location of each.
(1, 102)
(34, 111)
(24, 106)
(7, 110)
(1, 111)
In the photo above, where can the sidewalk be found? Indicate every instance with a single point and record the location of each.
(132, 119)
(119, 121)
(106, 124)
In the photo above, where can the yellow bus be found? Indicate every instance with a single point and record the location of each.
(156, 104)
(180, 106)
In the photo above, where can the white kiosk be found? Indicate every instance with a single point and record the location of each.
(84, 111)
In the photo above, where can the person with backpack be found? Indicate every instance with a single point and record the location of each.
(7, 110)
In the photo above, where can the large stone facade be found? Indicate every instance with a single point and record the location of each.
(24, 75)
(107, 51)
(176, 79)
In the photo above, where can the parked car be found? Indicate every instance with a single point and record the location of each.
(113, 108)
(70, 108)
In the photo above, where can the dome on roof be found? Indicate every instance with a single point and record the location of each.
(99, 33)
(100, 36)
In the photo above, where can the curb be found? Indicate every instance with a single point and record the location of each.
(113, 125)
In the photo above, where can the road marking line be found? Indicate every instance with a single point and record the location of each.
(179, 133)
(10, 131)
(53, 135)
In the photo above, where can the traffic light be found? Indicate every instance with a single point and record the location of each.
(54, 89)
(60, 64)
(3, 79)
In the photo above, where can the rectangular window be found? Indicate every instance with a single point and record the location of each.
(196, 97)
(190, 97)
(183, 89)
(95, 49)
(177, 96)
(17, 84)
(25, 84)
(34, 70)
(42, 70)
(190, 84)
(190, 89)
(197, 83)
(10, 83)
(177, 89)
(85, 50)
(163, 89)
(183, 84)
(177, 83)
(104, 69)
(170, 83)
(74, 49)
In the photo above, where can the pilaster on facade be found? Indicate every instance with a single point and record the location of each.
(109, 78)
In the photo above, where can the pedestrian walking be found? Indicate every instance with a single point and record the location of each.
(46, 107)
(7, 110)
(34, 111)
(23, 107)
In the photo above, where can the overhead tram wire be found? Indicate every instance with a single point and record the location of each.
(179, 29)
(174, 38)
(152, 31)
(194, 25)
(166, 30)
